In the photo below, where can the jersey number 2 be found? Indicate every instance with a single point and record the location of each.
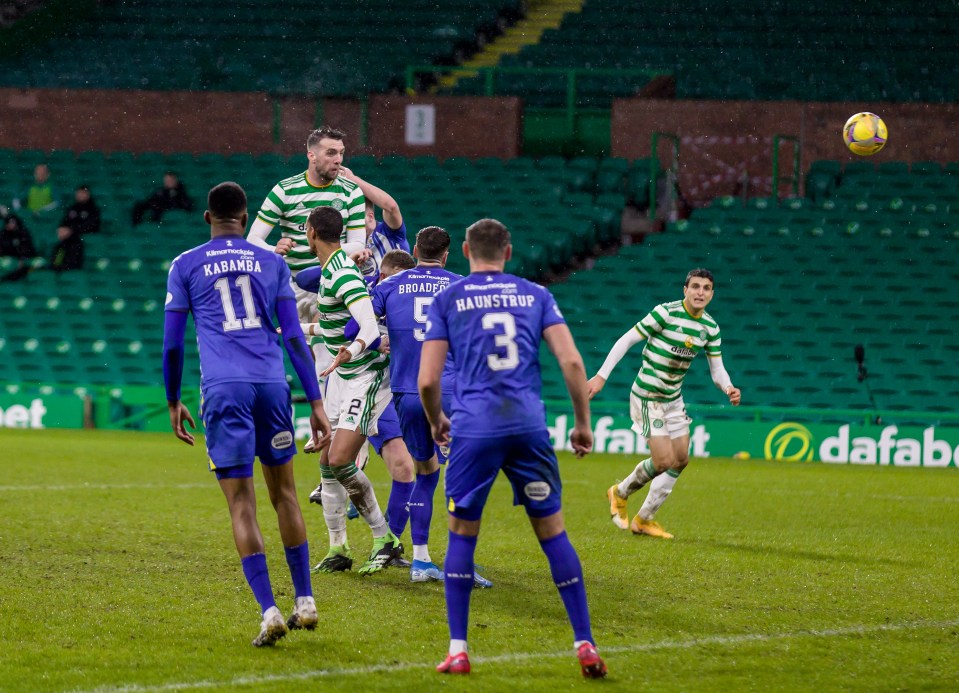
(506, 340)
(231, 323)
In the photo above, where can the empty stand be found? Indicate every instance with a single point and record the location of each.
(798, 285)
(107, 318)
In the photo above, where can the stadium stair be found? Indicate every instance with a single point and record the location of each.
(542, 15)
(725, 50)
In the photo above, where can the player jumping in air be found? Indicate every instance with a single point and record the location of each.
(492, 324)
(234, 289)
(675, 333)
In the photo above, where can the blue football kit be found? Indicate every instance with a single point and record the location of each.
(234, 289)
(404, 299)
(494, 324)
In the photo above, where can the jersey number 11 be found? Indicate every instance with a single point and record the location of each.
(252, 320)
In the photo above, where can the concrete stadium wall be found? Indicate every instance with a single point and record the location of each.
(722, 140)
(226, 122)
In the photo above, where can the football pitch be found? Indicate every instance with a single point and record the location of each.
(118, 573)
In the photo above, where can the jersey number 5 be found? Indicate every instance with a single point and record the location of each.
(231, 323)
(506, 340)
(421, 306)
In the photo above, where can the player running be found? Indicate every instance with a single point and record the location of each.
(234, 288)
(492, 324)
(675, 333)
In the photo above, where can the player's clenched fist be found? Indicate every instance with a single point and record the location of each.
(284, 246)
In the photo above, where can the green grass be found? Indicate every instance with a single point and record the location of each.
(118, 571)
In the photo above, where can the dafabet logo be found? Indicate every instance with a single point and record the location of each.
(789, 441)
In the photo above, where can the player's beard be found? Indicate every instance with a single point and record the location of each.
(323, 177)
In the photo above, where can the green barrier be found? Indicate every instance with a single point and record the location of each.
(33, 408)
(902, 439)
(787, 435)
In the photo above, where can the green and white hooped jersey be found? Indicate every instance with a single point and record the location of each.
(673, 338)
(341, 286)
(289, 205)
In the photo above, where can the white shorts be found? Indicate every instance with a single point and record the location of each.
(653, 418)
(356, 404)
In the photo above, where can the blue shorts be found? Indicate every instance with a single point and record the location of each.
(416, 427)
(527, 460)
(387, 428)
(247, 420)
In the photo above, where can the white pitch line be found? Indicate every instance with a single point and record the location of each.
(745, 638)
(96, 487)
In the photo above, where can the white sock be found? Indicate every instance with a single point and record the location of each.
(643, 472)
(334, 510)
(659, 491)
(457, 646)
(421, 552)
(578, 644)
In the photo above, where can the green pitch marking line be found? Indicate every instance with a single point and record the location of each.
(745, 638)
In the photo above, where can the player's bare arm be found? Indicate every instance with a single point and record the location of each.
(432, 360)
(560, 341)
(379, 197)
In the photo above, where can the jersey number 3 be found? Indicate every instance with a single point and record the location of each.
(505, 340)
(232, 323)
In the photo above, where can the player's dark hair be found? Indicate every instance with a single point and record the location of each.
(326, 131)
(701, 273)
(487, 239)
(397, 259)
(432, 242)
(226, 200)
(327, 223)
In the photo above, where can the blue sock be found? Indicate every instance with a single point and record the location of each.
(568, 576)
(421, 507)
(298, 558)
(254, 567)
(397, 507)
(458, 583)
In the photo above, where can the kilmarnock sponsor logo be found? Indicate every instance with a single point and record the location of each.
(789, 441)
(537, 490)
(283, 440)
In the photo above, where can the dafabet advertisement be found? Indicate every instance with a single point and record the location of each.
(905, 446)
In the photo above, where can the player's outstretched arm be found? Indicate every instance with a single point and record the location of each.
(174, 327)
(432, 361)
(722, 380)
(560, 341)
(616, 354)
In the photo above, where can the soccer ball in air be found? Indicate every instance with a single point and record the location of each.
(864, 134)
